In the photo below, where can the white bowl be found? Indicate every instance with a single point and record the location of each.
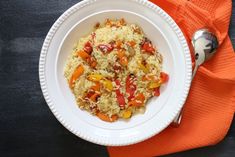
(79, 21)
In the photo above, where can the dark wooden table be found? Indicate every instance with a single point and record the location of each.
(27, 126)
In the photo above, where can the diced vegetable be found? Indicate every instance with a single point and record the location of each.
(86, 57)
(88, 94)
(120, 96)
(131, 43)
(98, 78)
(154, 84)
(122, 58)
(76, 74)
(91, 95)
(140, 97)
(94, 77)
(164, 77)
(118, 44)
(96, 87)
(124, 61)
(105, 82)
(117, 68)
(148, 48)
(156, 91)
(149, 78)
(92, 62)
(143, 67)
(121, 99)
(120, 53)
(105, 48)
(94, 97)
(83, 55)
(131, 86)
(108, 84)
(88, 47)
(106, 118)
(127, 114)
(138, 100)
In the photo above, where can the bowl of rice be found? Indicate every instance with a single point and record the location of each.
(115, 76)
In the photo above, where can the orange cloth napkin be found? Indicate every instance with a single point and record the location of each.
(210, 106)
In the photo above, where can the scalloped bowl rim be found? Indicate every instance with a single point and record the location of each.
(43, 81)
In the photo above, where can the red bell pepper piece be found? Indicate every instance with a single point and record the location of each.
(88, 47)
(117, 68)
(105, 48)
(164, 77)
(120, 96)
(156, 91)
(130, 86)
(148, 47)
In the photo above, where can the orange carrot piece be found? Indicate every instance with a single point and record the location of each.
(123, 59)
(83, 55)
(140, 97)
(96, 87)
(76, 74)
(120, 53)
(118, 44)
(107, 118)
(131, 43)
(86, 57)
(94, 97)
(138, 100)
(93, 64)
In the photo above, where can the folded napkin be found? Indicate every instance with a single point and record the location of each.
(210, 106)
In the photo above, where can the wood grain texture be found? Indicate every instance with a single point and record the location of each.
(27, 126)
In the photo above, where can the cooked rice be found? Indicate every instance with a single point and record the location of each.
(110, 33)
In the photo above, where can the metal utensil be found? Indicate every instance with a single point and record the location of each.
(205, 44)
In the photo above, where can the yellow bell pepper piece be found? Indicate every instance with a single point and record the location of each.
(127, 114)
(108, 84)
(95, 77)
(153, 85)
(143, 68)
